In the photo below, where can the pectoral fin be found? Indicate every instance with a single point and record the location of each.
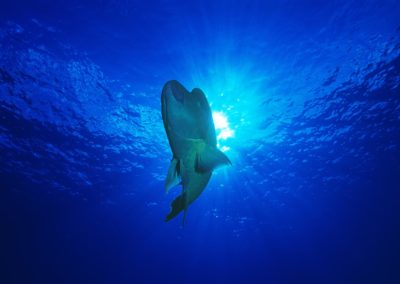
(172, 175)
(210, 158)
(180, 203)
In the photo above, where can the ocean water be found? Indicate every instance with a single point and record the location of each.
(306, 102)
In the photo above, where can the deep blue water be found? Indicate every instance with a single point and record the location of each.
(310, 95)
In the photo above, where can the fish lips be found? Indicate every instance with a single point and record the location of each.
(174, 89)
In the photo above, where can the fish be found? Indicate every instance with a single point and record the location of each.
(190, 130)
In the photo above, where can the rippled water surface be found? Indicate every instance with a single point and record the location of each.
(306, 102)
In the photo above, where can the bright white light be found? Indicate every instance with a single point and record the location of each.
(225, 148)
(225, 134)
(222, 128)
(220, 121)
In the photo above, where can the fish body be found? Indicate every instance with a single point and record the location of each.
(191, 134)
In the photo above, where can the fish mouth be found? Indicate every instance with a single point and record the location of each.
(175, 89)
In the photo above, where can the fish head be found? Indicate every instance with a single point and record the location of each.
(186, 114)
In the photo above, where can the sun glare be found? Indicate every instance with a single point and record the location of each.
(220, 120)
(222, 129)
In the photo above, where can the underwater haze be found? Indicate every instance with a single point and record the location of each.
(305, 98)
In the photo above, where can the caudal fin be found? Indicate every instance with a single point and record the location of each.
(176, 207)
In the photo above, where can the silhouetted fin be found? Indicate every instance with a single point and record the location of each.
(172, 175)
(210, 158)
(176, 207)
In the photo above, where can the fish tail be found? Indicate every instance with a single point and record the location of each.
(176, 207)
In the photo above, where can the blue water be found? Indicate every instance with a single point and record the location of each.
(307, 97)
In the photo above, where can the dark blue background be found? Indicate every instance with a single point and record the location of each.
(311, 93)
